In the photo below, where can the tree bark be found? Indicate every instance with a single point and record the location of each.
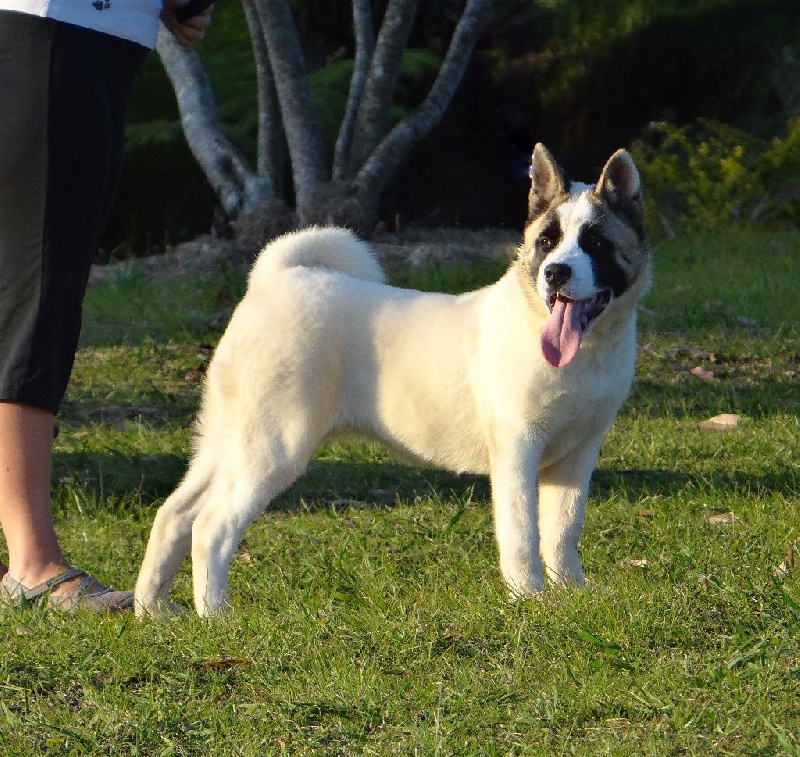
(364, 50)
(270, 140)
(233, 181)
(396, 146)
(372, 121)
(301, 125)
(352, 195)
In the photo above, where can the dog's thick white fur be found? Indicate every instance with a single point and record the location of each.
(319, 344)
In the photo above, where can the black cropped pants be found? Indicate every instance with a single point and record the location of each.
(64, 90)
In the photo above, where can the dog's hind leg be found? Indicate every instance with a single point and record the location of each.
(170, 539)
(219, 527)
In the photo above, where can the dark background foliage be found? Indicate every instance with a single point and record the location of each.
(583, 76)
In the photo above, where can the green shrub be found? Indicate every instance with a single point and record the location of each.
(710, 176)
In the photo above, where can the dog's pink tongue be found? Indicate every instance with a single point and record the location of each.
(562, 334)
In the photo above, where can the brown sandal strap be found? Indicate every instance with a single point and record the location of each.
(29, 595)
(82, 589)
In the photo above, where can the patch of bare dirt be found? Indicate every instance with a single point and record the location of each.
(210, 253)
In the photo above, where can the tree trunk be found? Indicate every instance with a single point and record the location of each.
(235, 184)
(270, 140)
(364, 50)
(372, 121)
(301, 125)
(396, 146)
(365, 155)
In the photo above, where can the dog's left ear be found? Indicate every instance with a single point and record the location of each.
(621, 188)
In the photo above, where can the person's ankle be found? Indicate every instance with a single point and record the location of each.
(33, 574)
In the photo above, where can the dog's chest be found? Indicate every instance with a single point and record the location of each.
(566, 406)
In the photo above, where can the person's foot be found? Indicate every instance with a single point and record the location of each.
(72, 590)
(54, 574)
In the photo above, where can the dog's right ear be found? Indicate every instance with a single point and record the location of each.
(547, 181)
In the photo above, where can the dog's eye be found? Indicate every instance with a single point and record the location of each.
(549, 238)
(593, 242)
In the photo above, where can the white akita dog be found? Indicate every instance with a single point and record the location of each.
(519, 380)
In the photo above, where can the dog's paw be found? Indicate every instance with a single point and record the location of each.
(516, 597)
(158, 610)
(570, 577)
(524, 588)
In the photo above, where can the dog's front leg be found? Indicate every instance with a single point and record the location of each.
(514, 472)
(563, 488)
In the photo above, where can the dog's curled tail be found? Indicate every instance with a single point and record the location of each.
(319, 247)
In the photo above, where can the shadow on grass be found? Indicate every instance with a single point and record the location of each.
(325, 483)
(759, 397)
(382, 484)
(637, 484)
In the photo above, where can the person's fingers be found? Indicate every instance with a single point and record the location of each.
(189, 31)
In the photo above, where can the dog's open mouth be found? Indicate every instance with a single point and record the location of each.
(569, 319)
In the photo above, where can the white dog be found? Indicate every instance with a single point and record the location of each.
(519, 380)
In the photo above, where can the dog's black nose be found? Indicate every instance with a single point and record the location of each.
(557, 274)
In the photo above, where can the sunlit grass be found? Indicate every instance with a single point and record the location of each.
(369, 615)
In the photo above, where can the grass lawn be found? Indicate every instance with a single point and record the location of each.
(370, 617)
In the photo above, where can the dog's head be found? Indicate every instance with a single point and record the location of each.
(585, 253)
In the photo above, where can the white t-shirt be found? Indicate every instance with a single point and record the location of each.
(136, 20)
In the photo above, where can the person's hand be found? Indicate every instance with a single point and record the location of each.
(189, 31)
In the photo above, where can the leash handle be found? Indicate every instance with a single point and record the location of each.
(192, 8)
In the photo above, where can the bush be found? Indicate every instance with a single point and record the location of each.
(709, 176)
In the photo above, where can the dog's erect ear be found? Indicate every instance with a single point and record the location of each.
(547, 181)
(621, 188)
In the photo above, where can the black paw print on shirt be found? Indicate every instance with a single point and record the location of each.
(101, 5)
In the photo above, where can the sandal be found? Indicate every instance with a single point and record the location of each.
(12, 592)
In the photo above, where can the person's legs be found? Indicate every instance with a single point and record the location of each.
(24, 456)
(26, 516)
(61, 141)
(26, 439)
